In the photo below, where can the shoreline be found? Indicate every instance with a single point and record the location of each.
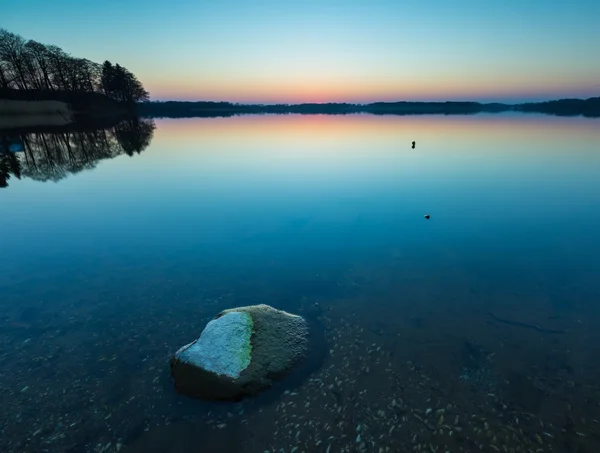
(24, 114)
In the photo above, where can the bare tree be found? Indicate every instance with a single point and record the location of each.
(5, 76)
(57, 60)
(33, 76)
(39, 53)
(30, 65)
(11, 52)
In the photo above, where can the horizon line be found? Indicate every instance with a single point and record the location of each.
(376, 102)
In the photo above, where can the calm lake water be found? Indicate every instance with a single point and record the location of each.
(476, 330)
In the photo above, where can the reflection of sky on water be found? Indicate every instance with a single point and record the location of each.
(489, 182)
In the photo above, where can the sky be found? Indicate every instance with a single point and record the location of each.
(274, 51)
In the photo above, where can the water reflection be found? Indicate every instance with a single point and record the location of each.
(52, 154)
(490, 308)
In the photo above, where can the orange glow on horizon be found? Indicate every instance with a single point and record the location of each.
(358, 90)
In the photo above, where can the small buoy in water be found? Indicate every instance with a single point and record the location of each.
(413, 145)
(427, 216)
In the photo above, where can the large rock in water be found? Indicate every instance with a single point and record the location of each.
(240, 352)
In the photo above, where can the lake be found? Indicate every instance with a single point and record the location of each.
(475, 330)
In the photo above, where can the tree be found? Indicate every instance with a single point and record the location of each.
(39, 53)
(107, 79)
(134, 90)
(11, 52)
(57, 62)
(121, 85)
(34, 66)
(33, 75)
(4, 75)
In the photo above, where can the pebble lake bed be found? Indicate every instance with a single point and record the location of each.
(384, 384)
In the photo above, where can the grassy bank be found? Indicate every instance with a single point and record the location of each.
(11, 107)
(71, 104)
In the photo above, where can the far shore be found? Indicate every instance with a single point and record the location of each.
(182, 109)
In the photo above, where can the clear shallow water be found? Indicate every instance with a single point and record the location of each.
(107, 272)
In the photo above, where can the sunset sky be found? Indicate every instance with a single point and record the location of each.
(268, 51)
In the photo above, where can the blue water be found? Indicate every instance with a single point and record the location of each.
(106, 272)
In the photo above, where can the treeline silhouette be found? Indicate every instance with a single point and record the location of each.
(175, 109)
(565, 107)
(31, 65)
(51, 154)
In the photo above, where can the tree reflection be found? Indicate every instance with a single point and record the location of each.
(134, 135)
(53, 155)
(9, 165)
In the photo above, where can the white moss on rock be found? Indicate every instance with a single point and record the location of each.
(223, 347)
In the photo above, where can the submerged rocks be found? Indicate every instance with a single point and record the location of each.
(240, 352)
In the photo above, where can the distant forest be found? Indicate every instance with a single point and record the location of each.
(174, 109)
(30, 65)
(191, 109)
(565, 107)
